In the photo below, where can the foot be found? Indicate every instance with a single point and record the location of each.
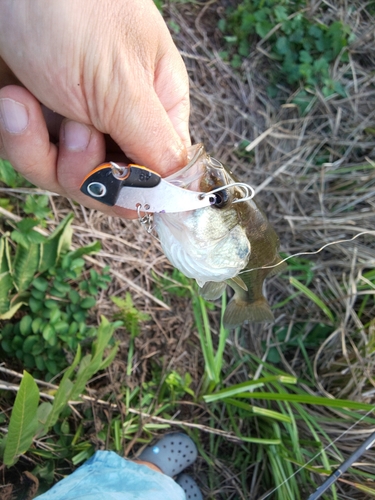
(171, 454)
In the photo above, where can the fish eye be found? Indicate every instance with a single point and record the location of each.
(221, 198)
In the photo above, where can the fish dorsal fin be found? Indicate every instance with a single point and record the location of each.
(239, 282)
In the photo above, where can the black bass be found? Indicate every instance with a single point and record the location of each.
(230, 242)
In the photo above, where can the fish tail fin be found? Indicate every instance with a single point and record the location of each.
(239, 311)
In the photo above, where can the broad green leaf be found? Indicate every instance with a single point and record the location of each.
(86, 250)
(7, 307)
(26, 263)
(58, 242)
(7, 174)
(25, 325)
(35, 237)
(4, 255)
(88, 302)
(40, 284)
(19, 238)
(111, 356)
(92, 363)
(43, 412)
(37, 206)
(23, 420)
(63, 393)
(6, 284)
(12, 310)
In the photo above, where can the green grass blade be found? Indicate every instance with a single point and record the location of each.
(257, 411)
(202, 323)
(223, 335)
(307, 399)
(311, 295)
(250, 384)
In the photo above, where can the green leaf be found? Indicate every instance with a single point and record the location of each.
(4, 255)
(6, 285)
(281, 13)
(92, 363)
(19, 238)
(49, 335)
(88, 302)
(86, 250)
(58, 242)
(311, 295)
(63, 394)
(14, 306)
(262, 28)
(25, 265)
(35, 237)
(283, 45)
(29, 343)
(37, 206)
(307, 399)
(234, 390)
(74, 296)
(35, 305)
(111, 356)
(40, 284)
(6, 282)
(7, 174)
(25, 325)
(43, 413)
(23, 420)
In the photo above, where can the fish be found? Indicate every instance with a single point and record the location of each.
(230, 242)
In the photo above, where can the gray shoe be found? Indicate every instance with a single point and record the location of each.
(190, 487)
(172, 454)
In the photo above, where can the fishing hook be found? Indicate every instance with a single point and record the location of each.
(145, 220)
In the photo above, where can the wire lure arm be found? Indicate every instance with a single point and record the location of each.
(249, 191)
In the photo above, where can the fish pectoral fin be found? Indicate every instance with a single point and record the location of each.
(239, 281)
(279, 266)
(212, 290)
(239, 311)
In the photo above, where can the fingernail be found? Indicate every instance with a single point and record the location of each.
(76, 136)
(13, 115)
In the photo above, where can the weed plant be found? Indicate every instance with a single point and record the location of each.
(303, 48)
(47, 294)
(46, 290)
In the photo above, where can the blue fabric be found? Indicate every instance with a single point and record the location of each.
(108, 476)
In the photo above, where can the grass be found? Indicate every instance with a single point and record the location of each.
(273, 408)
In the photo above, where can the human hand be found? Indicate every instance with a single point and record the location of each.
(108, 67)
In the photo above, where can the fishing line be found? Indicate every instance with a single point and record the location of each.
(319, 453)
(309, 253)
